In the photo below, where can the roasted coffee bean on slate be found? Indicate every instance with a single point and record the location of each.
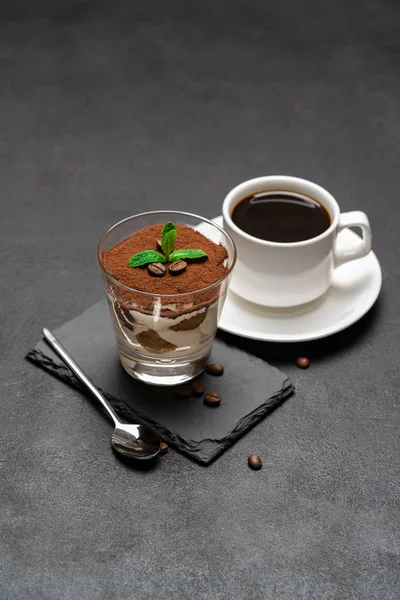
(302, 362)
(212, 399)
(164, 448)
(254, 462)
(156, 269)
(215, 369)
(197, 388)
(183, 392)
(178, 267)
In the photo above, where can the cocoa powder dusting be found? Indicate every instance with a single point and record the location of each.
(198, 275)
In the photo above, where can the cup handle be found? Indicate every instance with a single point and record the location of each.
(359, 249)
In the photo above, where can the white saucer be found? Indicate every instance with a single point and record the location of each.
(355, 288)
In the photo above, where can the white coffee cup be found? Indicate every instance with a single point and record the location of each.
(289, 274)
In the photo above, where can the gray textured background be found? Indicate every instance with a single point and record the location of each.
(111, 107)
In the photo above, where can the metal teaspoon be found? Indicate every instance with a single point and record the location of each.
(134, 441)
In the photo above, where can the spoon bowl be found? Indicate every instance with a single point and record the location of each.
(135, 441)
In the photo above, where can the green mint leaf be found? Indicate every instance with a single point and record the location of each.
(168, 241)
(167, 227)
(184, 254)
(145, 257)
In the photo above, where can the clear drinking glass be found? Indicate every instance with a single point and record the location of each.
(165, 339)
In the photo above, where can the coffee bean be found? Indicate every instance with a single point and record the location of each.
(183, 392)
(302, 362)
(197, 388)
(156, 269)
(176, 268)
(159, 244)
(164, 448)
(254, 462)
(215, 369)
(212, 399)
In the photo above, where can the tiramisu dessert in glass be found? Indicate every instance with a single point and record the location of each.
(166, 276)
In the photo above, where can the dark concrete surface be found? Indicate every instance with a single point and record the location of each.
(111, 107)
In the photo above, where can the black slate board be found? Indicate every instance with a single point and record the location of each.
(250, 388)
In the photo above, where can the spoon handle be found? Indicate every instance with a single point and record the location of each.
(55, 344)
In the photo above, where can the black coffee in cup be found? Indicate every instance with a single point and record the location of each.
(281, 217)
